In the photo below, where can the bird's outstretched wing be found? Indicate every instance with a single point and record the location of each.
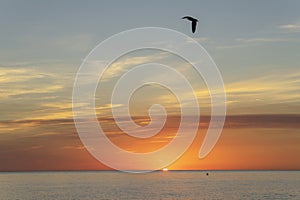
(194, 24)
(188, 17)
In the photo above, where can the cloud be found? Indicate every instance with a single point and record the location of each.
(14, 92)
(257, 95)
(26, 81)
(120, 66)
(265, 94)
(290, 27)
(247, 42)
(15, 75)
(78, 147)
(36, 147)
(46, 114)
(10, 126)
(109, 106)
(261, 40)
(254, 41)
(58, 105)
(30, 92)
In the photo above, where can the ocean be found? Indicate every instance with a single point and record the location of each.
(89, 185)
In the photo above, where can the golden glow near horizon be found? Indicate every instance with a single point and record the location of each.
(247, 142)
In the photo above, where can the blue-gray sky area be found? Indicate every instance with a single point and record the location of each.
(254, 43)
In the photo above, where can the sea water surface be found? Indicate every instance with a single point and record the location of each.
(155, 185)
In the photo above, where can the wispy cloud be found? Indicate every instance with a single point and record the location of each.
(24, 90)
(15, 92)
(290, 27)
(14, 75)
(256, 95)
(109, 106)
(261, 40)
(79, 147)
(118, 67)
(255, 41)
(242, 42)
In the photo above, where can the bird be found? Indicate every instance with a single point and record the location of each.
(194, 22)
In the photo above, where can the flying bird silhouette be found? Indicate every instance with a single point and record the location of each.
(194, 22)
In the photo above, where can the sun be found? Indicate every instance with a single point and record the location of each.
(165, 169)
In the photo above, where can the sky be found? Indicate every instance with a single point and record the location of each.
(255, 45)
